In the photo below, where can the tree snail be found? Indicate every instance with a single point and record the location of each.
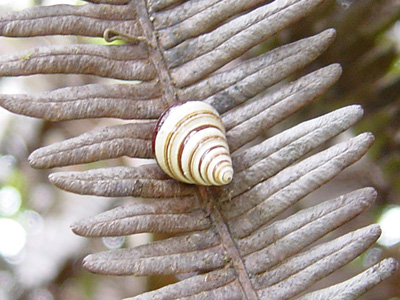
(189, 144)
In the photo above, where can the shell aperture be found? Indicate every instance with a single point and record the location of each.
(189, 144)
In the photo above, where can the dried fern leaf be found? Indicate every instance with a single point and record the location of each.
(230, 234)
(253, 71)
(301, 271)
(121, 220)
(218, 284)
(304, 227)
(268, 70)
(196, 17)
(275, 107)
(216, 11)
(304, 89)
(86, 20)
(267, 163)
(126, 63)
(358, 285)
(87, 101)
(286, 145)
(120, 182)
(204, 63)
(156, 222)
(317, 130)
(274, 160)
(187, 253)
(125, 101)
(252, 209)
(133, 140)
(298, 231)
(105, 144)
(305, 268)
(98, 261)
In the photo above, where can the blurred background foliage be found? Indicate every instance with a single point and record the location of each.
(40, 257)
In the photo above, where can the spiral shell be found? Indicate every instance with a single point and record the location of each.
(189, 144)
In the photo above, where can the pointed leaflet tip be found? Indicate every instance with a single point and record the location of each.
(256, 74)
(249, 120)
(118, 62)
(241, 35)
(132, 140)
(302, 229)
(276, 153)
(151, 216)
(291, 184)
(83, 20)
(120, 182)
(301, 271)
(196, 251)
(357, 285)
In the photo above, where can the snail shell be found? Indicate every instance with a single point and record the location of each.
(189, 144)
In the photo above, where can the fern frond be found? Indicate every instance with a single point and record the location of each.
(235, 238)
(86, 20)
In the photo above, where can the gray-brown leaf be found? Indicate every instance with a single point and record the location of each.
(86, 20)
(125, 101)
(235, 236)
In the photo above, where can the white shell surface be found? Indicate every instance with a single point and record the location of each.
(190, 145)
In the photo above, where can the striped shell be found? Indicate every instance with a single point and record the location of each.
(189, 144)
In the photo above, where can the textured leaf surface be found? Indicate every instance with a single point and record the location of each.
(87, 20)
(125, 101)
(236, 239)
(357, 285)
(83, 59)
(131, 139)
(242, 36)
(322, 260)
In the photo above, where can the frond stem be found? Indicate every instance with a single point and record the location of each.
(155, 53)
(227, 241)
